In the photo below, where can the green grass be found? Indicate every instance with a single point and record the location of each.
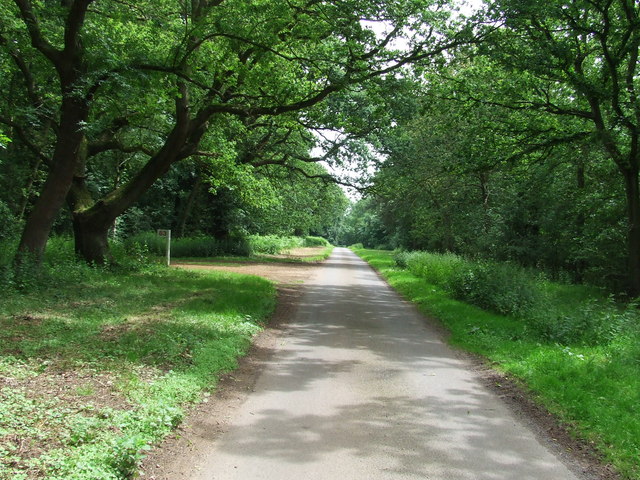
(95, 370)
(591, 383)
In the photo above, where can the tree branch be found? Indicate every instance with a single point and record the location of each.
(37, 40)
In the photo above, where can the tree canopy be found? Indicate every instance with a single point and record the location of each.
(512, 134)
(149, 84)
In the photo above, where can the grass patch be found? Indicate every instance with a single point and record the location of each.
(95, 370)
(575, 349)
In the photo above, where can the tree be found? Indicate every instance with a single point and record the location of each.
(470, 172)
(581, 60)
(160, 81)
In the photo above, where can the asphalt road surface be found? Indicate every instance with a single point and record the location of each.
(362, 388)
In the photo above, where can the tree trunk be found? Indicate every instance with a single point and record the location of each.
(91, 242)
(69, 148)
(93, 219)
(632, 190)
(90, 235)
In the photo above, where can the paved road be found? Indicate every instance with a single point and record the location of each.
(361, 388)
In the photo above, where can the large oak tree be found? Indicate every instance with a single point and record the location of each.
(158, 81)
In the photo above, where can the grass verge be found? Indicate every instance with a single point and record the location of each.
(93, 372)
(593, 387)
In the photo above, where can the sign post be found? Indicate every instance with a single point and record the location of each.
(166, 233)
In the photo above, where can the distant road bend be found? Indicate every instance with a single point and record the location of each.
(362, 388)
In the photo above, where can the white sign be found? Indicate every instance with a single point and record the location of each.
(167, 234)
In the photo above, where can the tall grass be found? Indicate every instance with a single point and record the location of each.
(199, 246)
(273, 244)
(60, 265)
(310, 241)
(204, 246)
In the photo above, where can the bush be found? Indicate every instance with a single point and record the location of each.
(356, 246)
(501, 287)
(596, 322)
(401, 257)
(315, 242)
(200, 246)
(273, 244)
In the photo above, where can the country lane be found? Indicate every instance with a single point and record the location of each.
(361, 387)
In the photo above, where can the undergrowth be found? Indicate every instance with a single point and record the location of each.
(575, 348)
(205, 246)
(198, 246)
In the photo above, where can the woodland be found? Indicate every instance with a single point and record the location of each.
(521, 147)
(508, 133)
(483, 157)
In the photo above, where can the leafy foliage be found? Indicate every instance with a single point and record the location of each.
(110, 98)
(503, 288)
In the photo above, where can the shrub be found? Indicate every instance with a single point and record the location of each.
(501, 287)
(595, 322)
(401, 257)
(315, 242)
(273, 244)
(357, 246)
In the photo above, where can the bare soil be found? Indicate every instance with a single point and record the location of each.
(181, 452)
(280, 273)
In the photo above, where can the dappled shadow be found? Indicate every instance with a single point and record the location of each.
(398, 437)
(139, 323)
(362, 388)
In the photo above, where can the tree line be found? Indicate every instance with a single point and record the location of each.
(512, 134)
(523, 147)
(105, 97)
